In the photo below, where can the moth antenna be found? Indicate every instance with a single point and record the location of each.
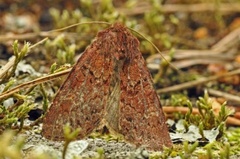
(77, 24)
(156, 48)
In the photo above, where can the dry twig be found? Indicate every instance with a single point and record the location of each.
(183, 110)
(34, 83)
(170, 8)
(197, 82)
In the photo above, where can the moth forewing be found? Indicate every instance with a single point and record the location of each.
(110, 85)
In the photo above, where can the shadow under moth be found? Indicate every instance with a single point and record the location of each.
(111, 86)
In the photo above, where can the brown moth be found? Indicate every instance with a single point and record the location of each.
(110, 86)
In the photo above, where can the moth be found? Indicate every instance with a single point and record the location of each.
(110, 86)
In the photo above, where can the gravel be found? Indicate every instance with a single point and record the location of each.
(88, 148)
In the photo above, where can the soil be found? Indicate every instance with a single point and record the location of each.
(88, 148)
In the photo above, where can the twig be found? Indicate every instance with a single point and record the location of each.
(221, 51)
(233, 121)
(199, 81)
(6, 67)
(169, 8)
(184, 110)
(34, 83)
(224, 94)
(51, 33)
(228, 41)
(188, 62)
(184, 54)
(180, 109)
(202, 7)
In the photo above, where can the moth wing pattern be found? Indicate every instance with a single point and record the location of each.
(142, 120)
(80, 100)
(110, 85)
(140, 116)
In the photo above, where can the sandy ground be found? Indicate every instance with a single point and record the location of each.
(88, 148)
